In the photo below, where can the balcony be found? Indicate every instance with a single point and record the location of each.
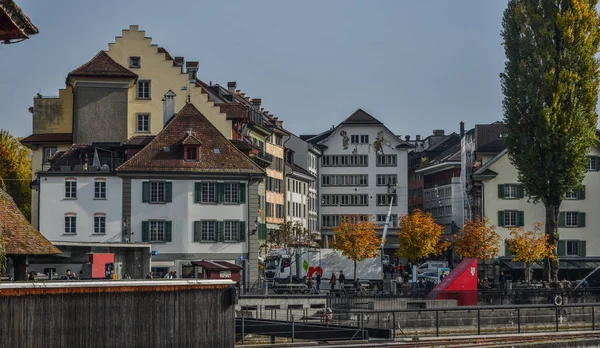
(265, 156)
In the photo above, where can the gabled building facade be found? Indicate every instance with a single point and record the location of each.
(362, 169)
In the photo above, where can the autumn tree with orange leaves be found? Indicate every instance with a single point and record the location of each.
(356, 239)
(530, 247)
(420, 236)
(477, 240)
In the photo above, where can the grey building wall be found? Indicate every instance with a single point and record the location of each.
(100, 114)
(300, 148)
(253, 243)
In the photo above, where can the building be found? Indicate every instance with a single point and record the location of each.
(297, 193)
(15, 26)
(189, 192)
(21, 241)
(362, 170)
(306, 156)
(503, 202)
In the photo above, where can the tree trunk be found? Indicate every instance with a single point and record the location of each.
(528, 272)
(551, 229)
(355, 270)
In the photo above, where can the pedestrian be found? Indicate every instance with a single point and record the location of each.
(318, 281)
(332, 281)
(357, 284)
(501, 279)
(442, 276)
(167, 275)
(126, 276)
(69, 275)
(174, 275)
(342, 279)
(150, 276)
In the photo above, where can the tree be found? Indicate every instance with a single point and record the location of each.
(290, 240)
(420, 236)
(550, 87)
(356, 239)
(15, 171)
(477, 240)
(530, 246)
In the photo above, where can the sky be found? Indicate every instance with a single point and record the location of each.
(414, 65)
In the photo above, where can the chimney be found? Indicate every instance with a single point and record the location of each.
(407, 137)
(192, 70)
(256, 103)
(168, 106)
(418, 137)
(231, 86)
(179, 61)
(462, 129)
(438, 132)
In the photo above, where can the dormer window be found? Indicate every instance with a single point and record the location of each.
(191, 153)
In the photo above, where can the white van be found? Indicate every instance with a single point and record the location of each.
(431, 266)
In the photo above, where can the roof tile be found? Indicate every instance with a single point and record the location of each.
(102, 65)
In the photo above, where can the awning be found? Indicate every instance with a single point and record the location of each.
(216, 265)
(520, 265)
(162, 264)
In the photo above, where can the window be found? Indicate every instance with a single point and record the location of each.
(354, 139)
(386, 160)
(143, 89)
(572, 247)
(191, 153)
(99, 189)
(387, 179)
(48, 153)
(231, 193)
(157, 231)
(571, 219)
(330, 220)
(143, 123)
(231, 231)
(345, 180)
(511, 191)
(278, 140)
(393, 220)
(209, 231)
(592, 165)
(510, 218)
(71, 189)
(208, 192)
(99, 223)
(345, 161)
(572, 194)
(364, 139)
(385, 199)
(157, 192)
(135, 62)
(70, 224)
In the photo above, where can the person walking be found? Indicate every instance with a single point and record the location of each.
(149, 276)
(342, 278)
(332, 281)
(318, 281)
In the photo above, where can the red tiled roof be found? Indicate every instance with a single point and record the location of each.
(234, 111)
(14, 24)
(20, 238)
(140, 140)
(217, 154)
(66, 138)
(102, 65)
(191, 140)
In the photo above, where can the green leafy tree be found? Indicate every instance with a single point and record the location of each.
(550, 86)
(15, 171)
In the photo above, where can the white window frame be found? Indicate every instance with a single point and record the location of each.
(70, 226)
(231, 192)
(158, 192)
(71, 189)
(571, 219)
(99, 189)
(231, 231)
(208, 231)
(509, 217)
(142, 123)
(209, 192)
(591, 163)
(99, 224)
(571, 195)
(157, 231)
(511, 191)
(144, 89)
(49, 151)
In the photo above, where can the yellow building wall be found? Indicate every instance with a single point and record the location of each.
(54, 115)
(164, 77)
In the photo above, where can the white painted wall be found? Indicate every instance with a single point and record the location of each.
(507, 174)
(182, 211)
(53, 207)
(335, 147)
(299, 198)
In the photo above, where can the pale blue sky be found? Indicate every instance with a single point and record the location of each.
(414, 65)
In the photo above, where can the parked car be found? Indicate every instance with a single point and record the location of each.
(431, 276)
(431, 266)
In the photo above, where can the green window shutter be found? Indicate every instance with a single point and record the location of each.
(197, 192)
(507, 251)
(580, 219)
(581, 193)
(501, 218)
(168, 231)
(582, 251)
(520, 191)
(562, 248)
(595, 160)
(145, 231)
(262, 231)
(220, 187)
(220, 228)
(168, 192)
(197, 231)
(501, 191)
(561, 219)
(242, 230)
(520, 218)
(242, 192)
(145, 191)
